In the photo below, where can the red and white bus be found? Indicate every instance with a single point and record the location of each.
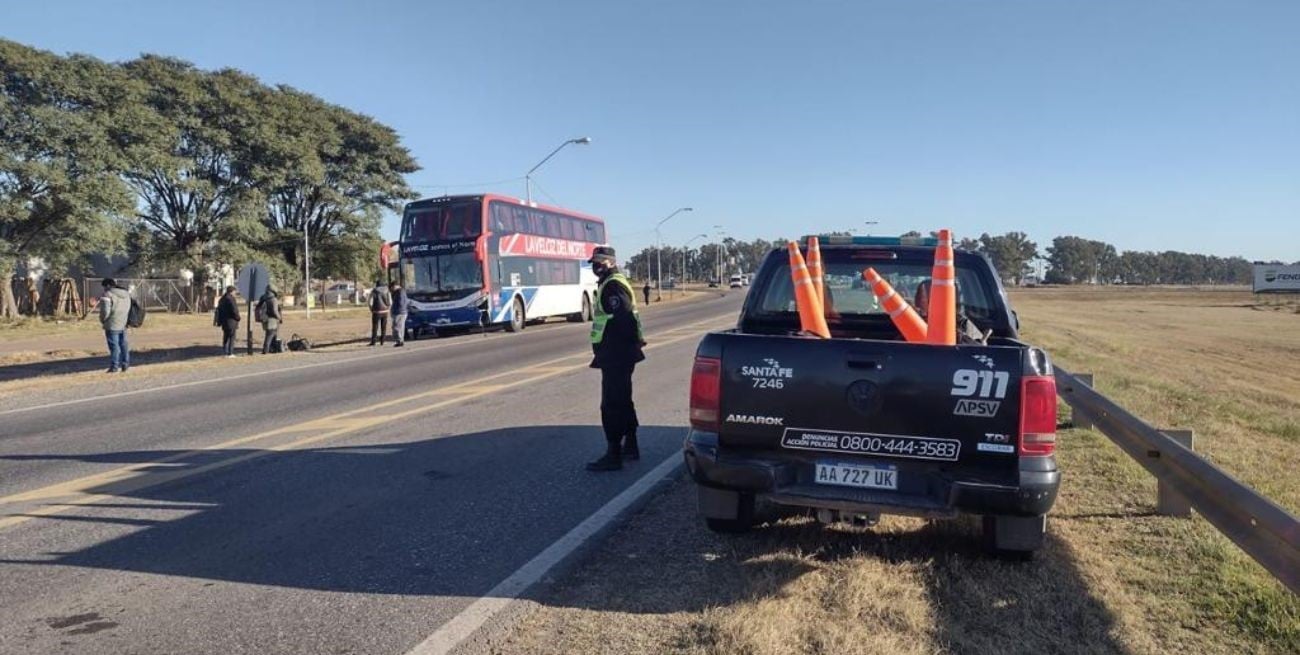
(479, 260)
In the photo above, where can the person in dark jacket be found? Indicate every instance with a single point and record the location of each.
(380, 303)
(271, 316)
(228, 318)
(616, 342)
(645, 290)
(399, 309)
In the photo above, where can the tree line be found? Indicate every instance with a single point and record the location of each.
(1068, 260)
(177, 167)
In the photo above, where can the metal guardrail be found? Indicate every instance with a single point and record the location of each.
(1256, 524)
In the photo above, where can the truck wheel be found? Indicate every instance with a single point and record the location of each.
(516, 317)
(1014, 538)
(727, 512)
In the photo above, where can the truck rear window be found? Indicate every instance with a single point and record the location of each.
(848, 297)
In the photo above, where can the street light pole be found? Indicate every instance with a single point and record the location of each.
(686, 248)
(306, 265)
(528, 177)
(659, 252)
(720, 244)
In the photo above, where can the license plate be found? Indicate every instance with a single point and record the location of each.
(858, 475)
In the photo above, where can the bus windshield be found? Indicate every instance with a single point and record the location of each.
(443, 277)
(440, 222)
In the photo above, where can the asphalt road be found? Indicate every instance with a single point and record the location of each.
(337, 503)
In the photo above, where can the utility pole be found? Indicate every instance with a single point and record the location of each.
(306, 265)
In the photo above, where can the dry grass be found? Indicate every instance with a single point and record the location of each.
(1113, 577)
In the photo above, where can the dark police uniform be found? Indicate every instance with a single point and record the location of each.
(616, 342)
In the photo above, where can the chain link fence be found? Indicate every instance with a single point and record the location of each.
(173, 295)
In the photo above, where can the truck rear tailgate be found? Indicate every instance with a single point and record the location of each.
(940, 407)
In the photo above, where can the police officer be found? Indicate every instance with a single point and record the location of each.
(616, 340)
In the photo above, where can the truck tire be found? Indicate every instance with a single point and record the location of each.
(1014, 538)
(737, 510)
(517, 318)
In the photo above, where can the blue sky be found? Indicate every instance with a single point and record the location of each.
(1150, 125)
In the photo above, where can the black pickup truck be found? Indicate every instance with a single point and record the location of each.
(864, 423)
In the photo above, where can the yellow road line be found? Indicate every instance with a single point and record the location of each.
(109, 484)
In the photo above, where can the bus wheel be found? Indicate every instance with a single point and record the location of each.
(583, 314)
(516, 317)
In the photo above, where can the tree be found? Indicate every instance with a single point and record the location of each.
(191, 163)
(59, 185)
(331, 171)
(1010, 253)
(1075, 260)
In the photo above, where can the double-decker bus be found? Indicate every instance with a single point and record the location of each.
(481, 260)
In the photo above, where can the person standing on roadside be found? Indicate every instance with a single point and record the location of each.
(228, 318)
(646, 291)
(380, 304)
(616, 343)
(114, 311)
(268, 312)
(399, 309)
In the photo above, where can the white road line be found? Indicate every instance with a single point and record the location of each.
(455, 631)
(242, 376)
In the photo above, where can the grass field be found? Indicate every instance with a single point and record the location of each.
(1113, 578)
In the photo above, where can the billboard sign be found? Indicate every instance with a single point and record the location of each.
(1270, 278)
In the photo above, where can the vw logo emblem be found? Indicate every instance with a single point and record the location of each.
(864, 397)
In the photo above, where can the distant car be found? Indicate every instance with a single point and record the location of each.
(737, 281)
(713, 284)
(341, 293)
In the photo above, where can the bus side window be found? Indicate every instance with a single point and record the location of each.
(500, 217)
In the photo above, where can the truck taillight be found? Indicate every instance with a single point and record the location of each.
(706, 392)
(1037, 416)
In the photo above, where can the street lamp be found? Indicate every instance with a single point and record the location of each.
(686, 248)
(528, 177)
(720, 234)
(659, 252)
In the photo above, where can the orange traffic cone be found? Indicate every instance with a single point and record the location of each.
(943, 295)
(811, 318)
(815, 269)
(905, 318)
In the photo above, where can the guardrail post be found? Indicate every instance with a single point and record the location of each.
(1079, 418)
(1168, 501)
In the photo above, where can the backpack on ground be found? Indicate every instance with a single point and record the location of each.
(135, 315)
(299, 344)
(277, 346)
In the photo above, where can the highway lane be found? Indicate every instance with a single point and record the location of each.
(342, 513)
(164, 413)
